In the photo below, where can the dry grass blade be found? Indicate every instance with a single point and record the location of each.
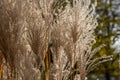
(10, 31)
(79, 24)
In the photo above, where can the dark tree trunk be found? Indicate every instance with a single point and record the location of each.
(107, 75)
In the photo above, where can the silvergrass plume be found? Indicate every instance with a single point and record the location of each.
(33, 31)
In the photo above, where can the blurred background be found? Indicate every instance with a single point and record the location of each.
(108, 33)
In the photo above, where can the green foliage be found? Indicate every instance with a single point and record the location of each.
(105, 34)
